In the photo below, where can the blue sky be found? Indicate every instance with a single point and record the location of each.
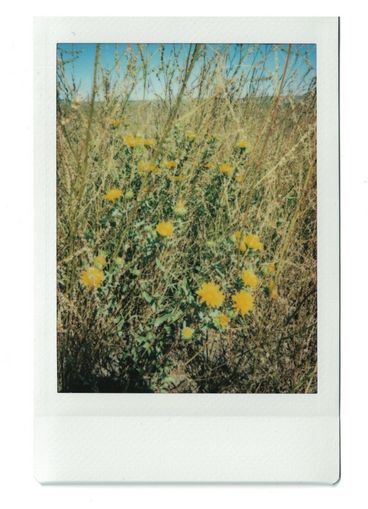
(264, 59)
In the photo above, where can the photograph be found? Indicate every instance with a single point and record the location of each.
(186, 218)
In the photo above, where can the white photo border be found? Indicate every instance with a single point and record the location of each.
(187, 437)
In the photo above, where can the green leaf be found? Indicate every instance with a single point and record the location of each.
(176, 315)
(159, 265)
(171, 317)
(147, 297)
(162, 319)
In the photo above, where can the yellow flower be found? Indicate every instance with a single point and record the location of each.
(243, 302)
(273, 289)
(190, 135)
(180, 208)
(165, 229)
(146, 166)
(236, 236)
(130, 140)
(149, 142)
(115, 122)
(113, 194)
(226, 168)
(240, 179)
(211, 295)
(242, 245)
(270, 268)
(253, 242)
(92, 277)
(250, 279)
(223, 320)
(177, 178)
(170, 164)
(243, 144)
(187, 333)
(100, 261)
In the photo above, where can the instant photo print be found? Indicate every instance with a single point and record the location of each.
(187, 250)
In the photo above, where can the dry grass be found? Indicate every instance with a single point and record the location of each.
(126, 334)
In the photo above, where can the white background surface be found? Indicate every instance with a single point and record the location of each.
(18, 488)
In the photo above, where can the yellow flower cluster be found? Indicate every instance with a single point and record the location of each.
(250, 279)
(270, 268)
(235, 237)
(250, 241)
(137, 141)
(113, 194)
(170, 164)
(226, 168)
(247, 241)
(165, 229)
(211, 295)
(223, 320)
(243, 144)
(146, 166)
(92, 277)
(243, 302)
(115, 122)
(187, 333)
